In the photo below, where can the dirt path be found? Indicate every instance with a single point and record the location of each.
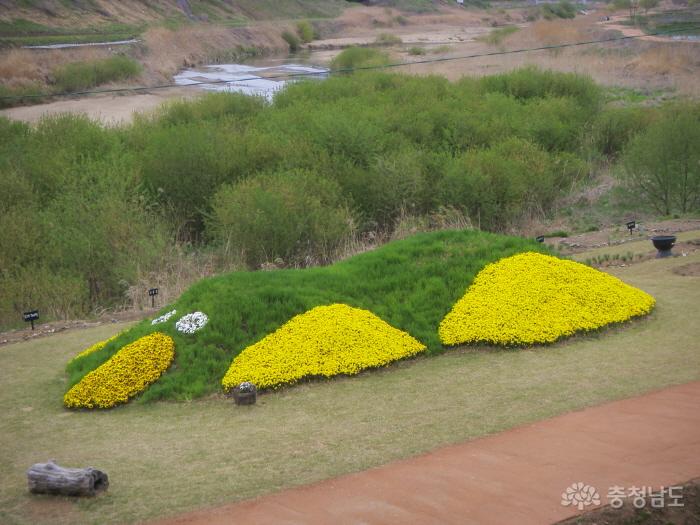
(108, 109)
(517, 476)
(616, 23)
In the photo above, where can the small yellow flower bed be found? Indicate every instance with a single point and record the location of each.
(94, 348)
(125, 374)
(325, 341)
(532, 298)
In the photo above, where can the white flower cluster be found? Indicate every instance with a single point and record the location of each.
(190, 323)
(246, 386)
(163, 317)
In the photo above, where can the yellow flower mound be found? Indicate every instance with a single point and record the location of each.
(533, 298)
(125, 374)
(94, 348)
(325, 341)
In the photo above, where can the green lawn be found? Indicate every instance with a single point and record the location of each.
(169, 457)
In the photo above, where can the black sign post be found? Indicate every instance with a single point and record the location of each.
(631, 226)
(540, 238)
(152, 293)
(30, 317)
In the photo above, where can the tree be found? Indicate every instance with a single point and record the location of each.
(663, 162)
(631, 5)
(648, 4)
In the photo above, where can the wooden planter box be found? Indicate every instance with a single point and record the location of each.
(244, 398)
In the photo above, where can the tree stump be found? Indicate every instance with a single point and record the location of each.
(49, 478)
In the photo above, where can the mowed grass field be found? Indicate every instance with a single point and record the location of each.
(165, 458)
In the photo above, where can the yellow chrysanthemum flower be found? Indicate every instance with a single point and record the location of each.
(128, 372)
(533, 298)
(325, 341)
(94, 348)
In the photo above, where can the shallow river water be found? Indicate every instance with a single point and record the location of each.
(261, 80)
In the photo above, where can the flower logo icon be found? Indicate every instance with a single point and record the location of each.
(580, 495)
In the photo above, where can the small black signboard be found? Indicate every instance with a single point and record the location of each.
(540, 238)
(31, 316)
(152, 292)
(631, 226)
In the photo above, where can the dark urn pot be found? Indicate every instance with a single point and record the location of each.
(245, 395)
(664, 243)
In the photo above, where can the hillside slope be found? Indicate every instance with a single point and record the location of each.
(411, 284)
(95, 13)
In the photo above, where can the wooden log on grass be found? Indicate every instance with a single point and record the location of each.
(49, 478)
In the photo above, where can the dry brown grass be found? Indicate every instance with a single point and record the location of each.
(646, 64)
(682, 58)
(168, 50)
(553, 32)
(22, 66)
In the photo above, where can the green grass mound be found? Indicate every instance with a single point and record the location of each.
(326, 341)
(532, 298)
(411, 284)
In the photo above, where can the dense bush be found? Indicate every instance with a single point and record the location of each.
(237, 107)
(531, 82)
(358, 57)
(498, 185)
(287, 215)
(86, 211)
(292, 41)
(305, 31)
(74, 228)
(78, 76)
(614, 128)
(562, 9)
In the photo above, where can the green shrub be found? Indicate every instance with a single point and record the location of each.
(387, 39)
(77, 76)
(615, 127)
(24, 94)
(557, 233)
(531, 82)
(562, 9)
(506, 182)
(292, 40)
(182, 166)
(75, 229)
(238, 107)
(305, 31)
(496, 36)
(417, 51)
(358, 57)
(293, 215)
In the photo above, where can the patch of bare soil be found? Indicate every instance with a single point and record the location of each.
(108, 109)
(680, 249)
(48, 329)
(692, 269)
(361, 26)
(687, 514)
(617, 235)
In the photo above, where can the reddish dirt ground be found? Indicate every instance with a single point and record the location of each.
(516, 476)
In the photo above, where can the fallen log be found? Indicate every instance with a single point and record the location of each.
(49, 478)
